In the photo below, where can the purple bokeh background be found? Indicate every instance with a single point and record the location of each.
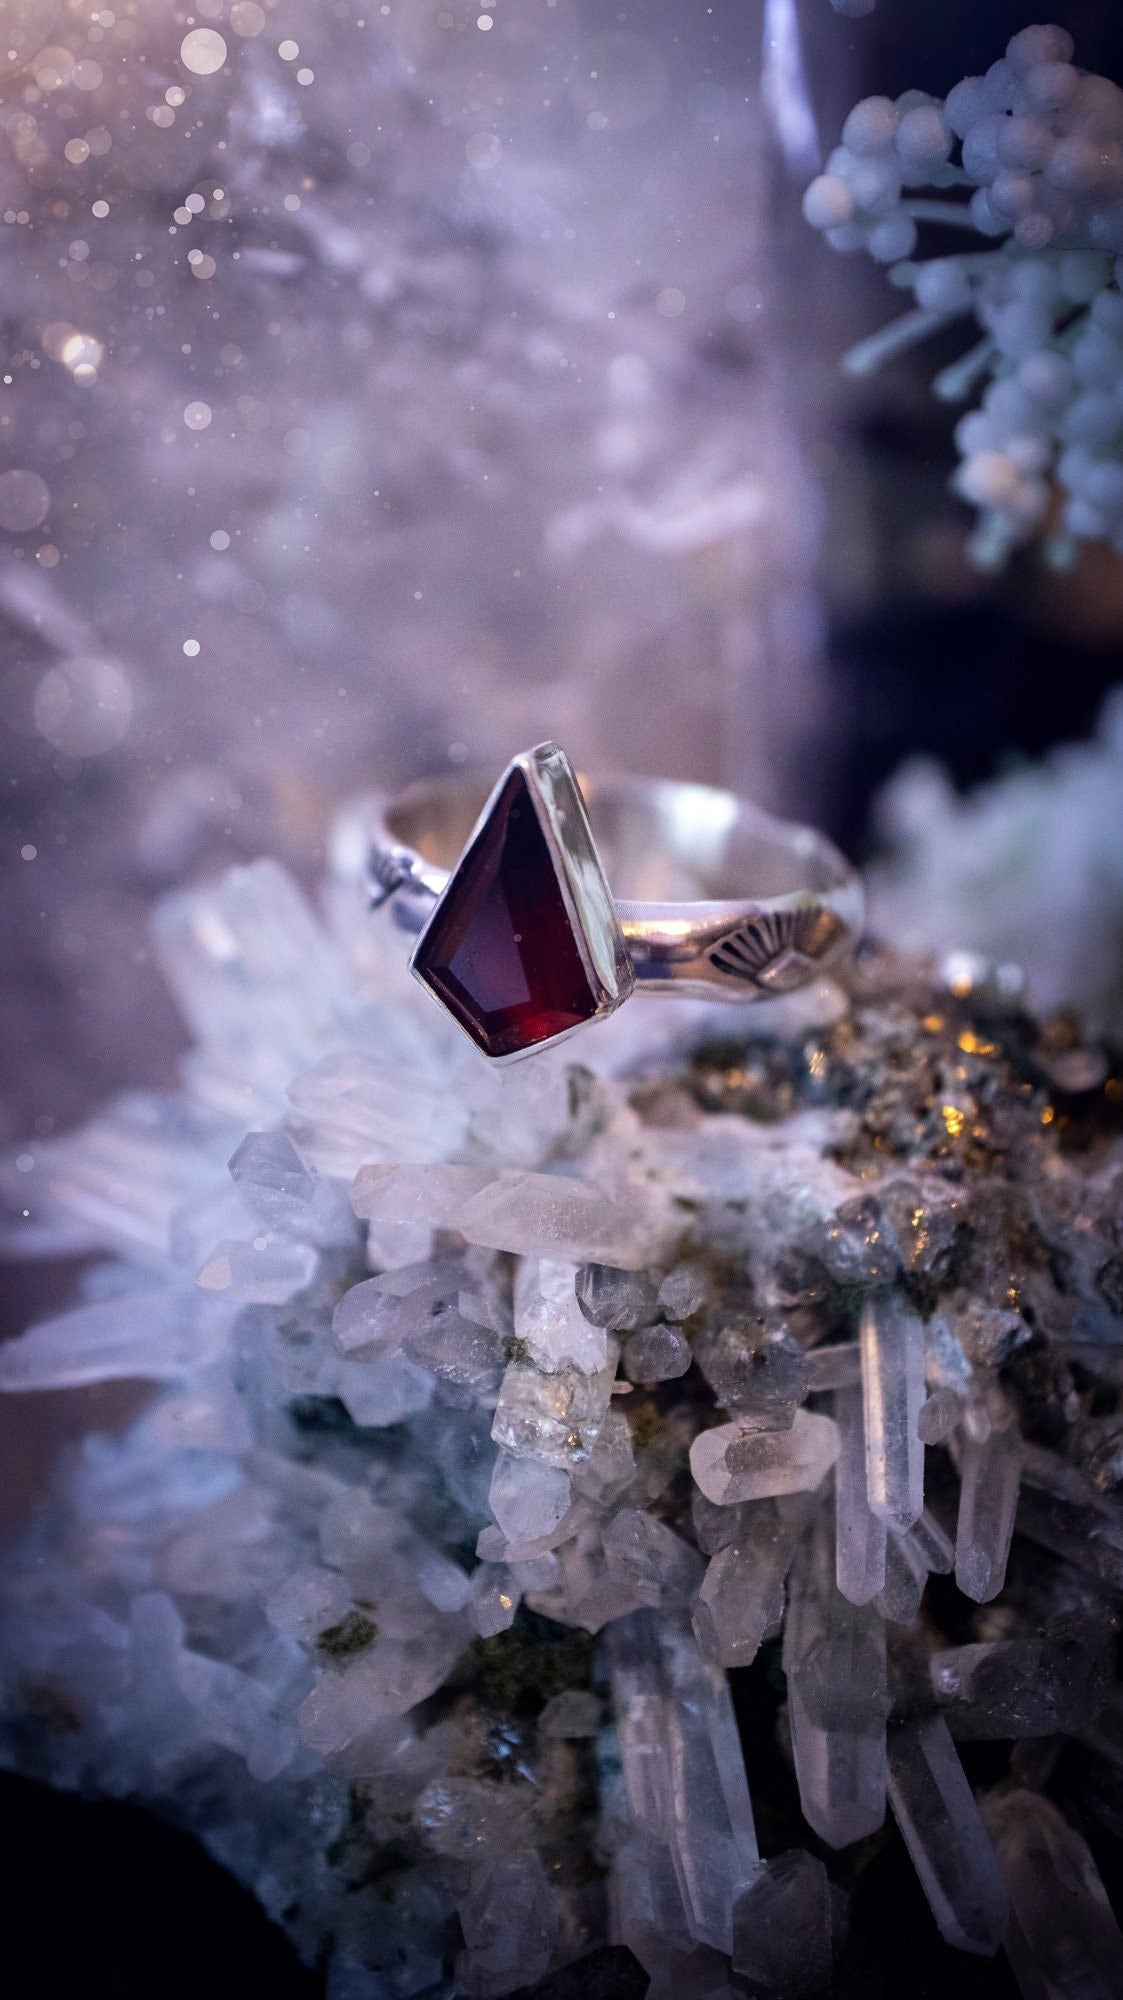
(400, 392)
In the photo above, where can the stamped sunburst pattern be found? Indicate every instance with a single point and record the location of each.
(778, 951)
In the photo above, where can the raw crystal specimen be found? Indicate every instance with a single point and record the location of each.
(754, 1368)
(741, 1600)
(549, 1319)
(733, 1463)
(893, 1388)
(535, 1215)
(906, 1574)
(838, 1366)
(654, 1562)
(683, 1292)
(858, 1246)
(510, 1921)
(1060, 1510)
(859, 1533)
(939, 1415)
(375, 1316)
(268, 1271)
(936, 1548)
(783, 1927)
(834, 1658)
(396, 1509)
(657, 1354)
(683, 1769)
(555, 1417)
(1062, 1938)
(528, 1498)
(495, 1599)
(936, 1812)
(286, 1193)
(618, 1300)
(1025, 1687)
(988, 1497)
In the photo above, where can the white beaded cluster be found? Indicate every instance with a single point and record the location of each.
(1040, 144)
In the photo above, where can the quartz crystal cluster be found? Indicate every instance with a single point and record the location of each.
(1027, 869)
(573, 1518)
(1029, 157)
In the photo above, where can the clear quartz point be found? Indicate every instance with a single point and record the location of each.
(782, 1928)
(935, 1809)
(989, 1474)
(741, 1600)
(683, 1768)
(836, 1367)
(834, 1658)
(859, 1534)
(550, 1321)
(1063, 1941)
(906, 1574)
(735, 1462)
(939, 1415)
(892, 1343)
(934, 1545)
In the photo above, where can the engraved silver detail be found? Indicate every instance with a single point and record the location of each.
(779, 950)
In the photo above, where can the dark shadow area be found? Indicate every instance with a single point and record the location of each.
(104, 1899)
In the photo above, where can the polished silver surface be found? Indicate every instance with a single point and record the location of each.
(714, 897)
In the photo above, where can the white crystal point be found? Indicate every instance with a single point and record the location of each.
(741, 1600)
(892, 1343)
(657, 1354)
(838, 1366)
(939, 1415)
(383, 1391)
(658, 1566)
(906, 1576)
(285, 1192)
(989, 1475)
(556, 1417)
(389, 1678)
(859, 1533)
(935, 1809)
(534, 1215)
(495, 1599)
(838, 1699)
(154, 1335)
(732, 1462)
(351, 1110)
(258, 981)
(684, 1772)
(782, 1928)
(528, 1499)
(1062, 1938)
(933, 1544)
(432, 1195)
(509, 1918)
(375, 1316)
(550, 1321)
(269, 1270)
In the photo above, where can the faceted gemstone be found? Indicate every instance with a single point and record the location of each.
(500, 951)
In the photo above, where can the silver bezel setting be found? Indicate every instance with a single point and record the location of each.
(555, 794)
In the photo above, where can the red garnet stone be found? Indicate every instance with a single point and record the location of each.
(499, 950)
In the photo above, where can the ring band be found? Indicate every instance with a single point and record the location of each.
(519, 936)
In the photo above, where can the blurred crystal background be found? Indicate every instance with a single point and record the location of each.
(388, 386)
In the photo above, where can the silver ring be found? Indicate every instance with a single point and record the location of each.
(519, 936)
